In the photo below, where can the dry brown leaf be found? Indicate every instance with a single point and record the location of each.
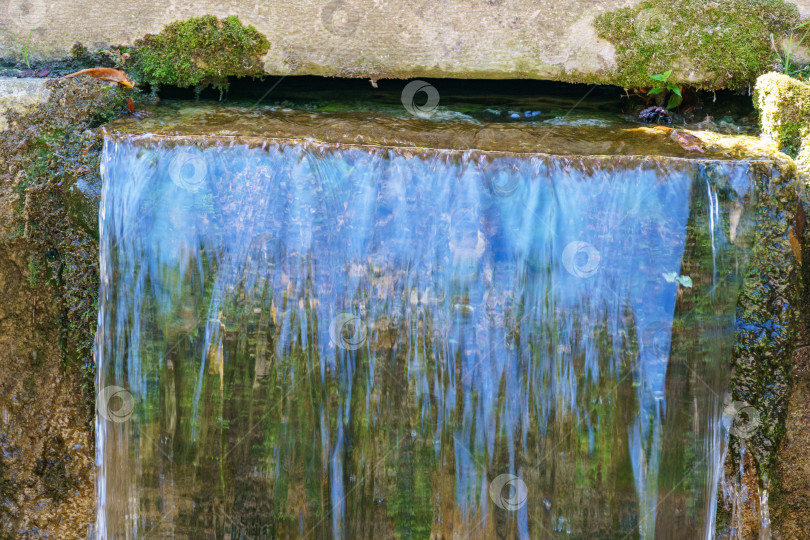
(105, 74)
(795, 245)
(688, 142)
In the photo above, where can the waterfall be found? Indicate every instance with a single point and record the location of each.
(346, 342)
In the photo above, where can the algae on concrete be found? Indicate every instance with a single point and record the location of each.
(767, 316)
(711, 45)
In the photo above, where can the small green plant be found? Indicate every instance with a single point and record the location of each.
(789, 48)
(26, 57)
(664, 85)
(25, 49)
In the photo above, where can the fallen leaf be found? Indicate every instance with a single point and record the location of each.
(131, 106)
(795, 245)
(104, 74)
(688, 142)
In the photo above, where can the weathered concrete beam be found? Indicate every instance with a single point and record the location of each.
(539, 39)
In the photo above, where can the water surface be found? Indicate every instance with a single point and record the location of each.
(350, 342)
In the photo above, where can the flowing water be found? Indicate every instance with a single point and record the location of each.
(302, 340)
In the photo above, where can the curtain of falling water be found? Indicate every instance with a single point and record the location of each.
(325, 342)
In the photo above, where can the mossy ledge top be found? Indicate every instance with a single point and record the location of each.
(715, 44)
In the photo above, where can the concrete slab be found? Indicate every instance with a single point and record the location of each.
(19, 95)
(540, 39)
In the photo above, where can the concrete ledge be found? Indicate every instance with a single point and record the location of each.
(539, 39)
(19, 95)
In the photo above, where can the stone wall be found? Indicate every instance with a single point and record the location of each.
(49, 183)
(538, 39)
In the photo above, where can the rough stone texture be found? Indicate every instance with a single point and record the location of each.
(543, 39)
(781, 389)
(18, 95)
(47, 468)
(46, 465)
(791, 501)
(49, 163)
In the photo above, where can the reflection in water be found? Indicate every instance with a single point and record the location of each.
(333, 342)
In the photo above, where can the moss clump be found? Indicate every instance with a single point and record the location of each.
(729, 41)
(784, 111)
(199, 52)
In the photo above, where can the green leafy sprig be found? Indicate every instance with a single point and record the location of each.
(663, 84)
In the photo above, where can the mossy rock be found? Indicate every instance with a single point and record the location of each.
(728, 41)
(784, 112)
(49, 159)
(200, 52)
(46, 159)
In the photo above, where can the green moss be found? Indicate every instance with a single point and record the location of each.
(199, 52)
(33, 271)
(784, 111)
(728, 41)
